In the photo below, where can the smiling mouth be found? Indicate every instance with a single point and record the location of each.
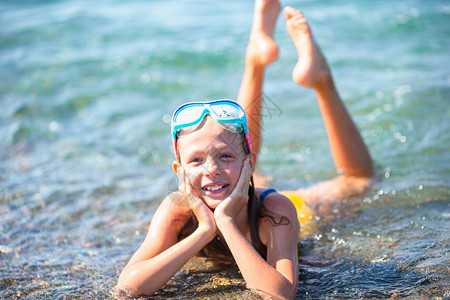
(214, 188)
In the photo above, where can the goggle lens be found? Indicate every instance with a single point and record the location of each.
(188, 115)
(226, 111)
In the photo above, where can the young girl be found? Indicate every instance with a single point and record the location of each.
(217, 210)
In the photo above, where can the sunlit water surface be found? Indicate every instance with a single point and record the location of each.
(86, 93)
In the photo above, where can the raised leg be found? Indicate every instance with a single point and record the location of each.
(261, 51)
(349, 151)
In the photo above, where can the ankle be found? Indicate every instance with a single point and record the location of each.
(319, 80)
(326, 89)
(254, 63)
(324, 80)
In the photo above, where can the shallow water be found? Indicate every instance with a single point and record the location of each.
(85, 96)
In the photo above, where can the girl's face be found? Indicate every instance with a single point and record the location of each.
(212, 158)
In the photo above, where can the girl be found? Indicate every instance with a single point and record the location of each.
(217, 210)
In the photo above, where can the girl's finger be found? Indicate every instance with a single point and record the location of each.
(193, 189)
(244, 177)
(191, 192)
(181, 180)
(188, 188)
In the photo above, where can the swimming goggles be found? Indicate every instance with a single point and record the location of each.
(223, 111)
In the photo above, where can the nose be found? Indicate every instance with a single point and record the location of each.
(212, 167)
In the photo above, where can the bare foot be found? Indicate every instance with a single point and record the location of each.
(312, 69)
(262, 49)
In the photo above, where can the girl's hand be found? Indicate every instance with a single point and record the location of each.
(238, 199)
(204, 215)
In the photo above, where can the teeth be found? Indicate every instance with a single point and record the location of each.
(214, 187)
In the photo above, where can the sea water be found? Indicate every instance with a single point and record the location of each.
(86, 93)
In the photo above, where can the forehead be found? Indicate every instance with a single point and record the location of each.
(209, 135)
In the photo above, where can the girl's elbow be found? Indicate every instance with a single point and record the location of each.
(286, 293)
(290, 291)
(124, 291)
(130, 290)
(128, 285)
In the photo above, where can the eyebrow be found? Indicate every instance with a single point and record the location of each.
(219, 149)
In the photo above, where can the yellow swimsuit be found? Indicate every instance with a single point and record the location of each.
(304, 213)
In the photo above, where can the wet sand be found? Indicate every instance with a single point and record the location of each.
(200, 278)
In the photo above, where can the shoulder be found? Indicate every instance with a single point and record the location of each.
(278, 204)
(279, 220)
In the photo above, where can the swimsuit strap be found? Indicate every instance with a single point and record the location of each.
(265, 193)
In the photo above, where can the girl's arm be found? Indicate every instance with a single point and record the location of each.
(161, 255)
(278, 276)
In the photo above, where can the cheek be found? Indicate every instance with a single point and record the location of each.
(234, 173)
(194, 175)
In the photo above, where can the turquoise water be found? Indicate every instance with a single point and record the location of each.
(85, 95)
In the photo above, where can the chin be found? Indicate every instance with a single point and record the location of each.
(212, 203)
(212, 200)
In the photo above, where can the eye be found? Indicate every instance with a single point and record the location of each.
(226, 156)
(195, 160)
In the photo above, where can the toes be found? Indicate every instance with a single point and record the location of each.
(300, 20)
(290, 12)
(295, 20)
(287, 11)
